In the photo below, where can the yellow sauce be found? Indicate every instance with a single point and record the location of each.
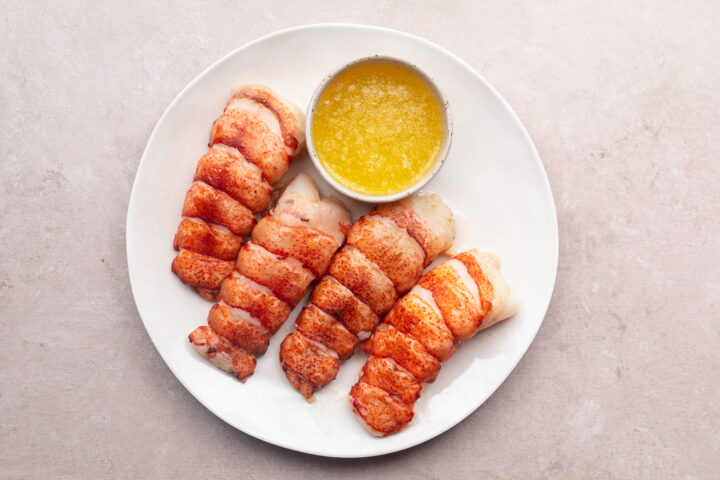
(377, 129)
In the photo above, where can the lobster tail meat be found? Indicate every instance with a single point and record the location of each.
(450, 304)
(384, 257)
(256, 298)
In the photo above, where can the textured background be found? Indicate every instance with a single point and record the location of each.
(621, 99)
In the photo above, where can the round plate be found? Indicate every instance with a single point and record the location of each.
(493, 179)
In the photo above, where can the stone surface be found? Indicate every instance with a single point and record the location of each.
(621, 99)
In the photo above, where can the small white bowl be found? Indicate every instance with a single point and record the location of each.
(444, 148)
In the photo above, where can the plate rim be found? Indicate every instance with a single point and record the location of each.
(533, 150)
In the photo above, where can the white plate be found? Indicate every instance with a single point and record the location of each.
(493, 179)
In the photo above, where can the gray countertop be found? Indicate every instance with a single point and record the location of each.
(622, 101)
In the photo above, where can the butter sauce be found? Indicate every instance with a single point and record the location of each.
(377, 129)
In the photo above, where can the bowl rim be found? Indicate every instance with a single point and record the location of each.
(444, 148)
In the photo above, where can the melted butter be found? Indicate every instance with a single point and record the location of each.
(377, 129)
